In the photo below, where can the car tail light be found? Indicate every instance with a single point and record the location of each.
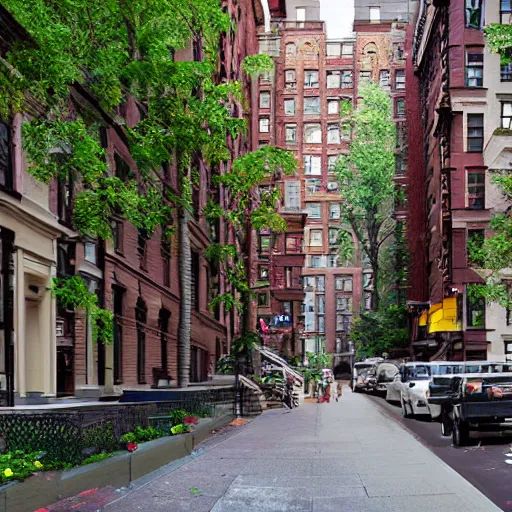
(474, 386)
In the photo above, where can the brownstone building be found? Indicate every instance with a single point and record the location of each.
(134, 275)
(301, 109)
(464, 97)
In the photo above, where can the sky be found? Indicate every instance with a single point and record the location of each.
(339, 16)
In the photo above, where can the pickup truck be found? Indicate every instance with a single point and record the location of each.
(478, 402)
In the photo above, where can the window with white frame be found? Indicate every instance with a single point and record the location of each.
(314, 210)
(400, 79)
(347, 50)
(311, 105)
(384, 78)
(290, 79)
(310, 79)
(264, 99)
(313, 186)
(333, 106)
(315, 238)
(333, 236)
(333, 134)
(331, 162)
(334, 211)
(346, 79)
(506, 114)
(289, 107)
(400, 107)
(474, 69)
(374, 14)
(313, 133)
(365, 76)
(343, 283)
(333, 79)
(264, 124)
(292, 199)
(90, 252)
(332, 260)
(312, 165)
(300, 14)
(506, 12)
(290, 133)
(333, 49)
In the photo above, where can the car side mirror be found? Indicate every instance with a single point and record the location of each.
(412, 384)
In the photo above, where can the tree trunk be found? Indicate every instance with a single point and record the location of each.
(185, 266)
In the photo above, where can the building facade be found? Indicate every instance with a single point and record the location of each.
(47, 351)
(303, 108)
(463, 97)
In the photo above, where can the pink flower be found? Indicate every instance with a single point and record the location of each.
(131, 447)
(191, 420)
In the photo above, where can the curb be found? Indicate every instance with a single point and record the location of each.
(47, 487)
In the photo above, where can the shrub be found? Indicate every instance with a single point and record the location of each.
(18, 465)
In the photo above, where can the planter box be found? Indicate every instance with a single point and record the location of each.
(47, 487)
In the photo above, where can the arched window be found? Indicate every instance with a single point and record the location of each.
(291, 49)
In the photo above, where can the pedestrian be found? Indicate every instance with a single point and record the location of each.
(334, 391)
(339, 390)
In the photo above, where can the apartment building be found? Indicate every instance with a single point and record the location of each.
(301, 108)
(465, 102)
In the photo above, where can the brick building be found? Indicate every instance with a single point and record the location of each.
(301, 109)
(463, 95)
(134, 275)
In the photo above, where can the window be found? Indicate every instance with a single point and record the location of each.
(141, 314)
(289, 107)
(117, 301)
(332, 260)
(506, 114)
(165, 251)
(334, 211)
(312, 165)
(265, 78)
(333, 79)
(291, 49)
(313, 133)
(314, 210)
(117, 235)
(90, 252)
(263, 272)
(400, 79)
(474, 13)
(316, 261)
(365, 76)
(342, 323)
(400, 165)
(475, 133)
(398, 51)
(313, 187)
(506, 72)
(262, 299)
(333, 106)
(310, 79)
(374, 14)
(6, 175)
(345, 131)
(312, 105)
(265, 244)
(346, 79)
(475, 309)
(315, 238)
(333, 236)
(142, 245)
(331, 162)
(474, 69)
(264, 100)
(293, 243)
(333, 49)
(122, 169)
(347, 50)
(384, 78)
(343, 303)
(400, 107)
(320, 284)
(475, 243)
(321, 323)
(343, 283)
(264, 124)
(300, 14)
(506, 12)
(290, 132)
(292, 200)
(476, 189)
(333, 134)
(290, 79)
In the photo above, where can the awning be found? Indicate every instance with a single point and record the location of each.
(442, 317)
(279, 361)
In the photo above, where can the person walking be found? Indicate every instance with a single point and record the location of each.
(339, 390)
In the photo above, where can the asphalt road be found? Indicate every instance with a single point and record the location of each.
(482, 462)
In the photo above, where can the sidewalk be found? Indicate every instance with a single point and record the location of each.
(338, 457)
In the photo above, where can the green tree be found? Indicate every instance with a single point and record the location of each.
(366, 178)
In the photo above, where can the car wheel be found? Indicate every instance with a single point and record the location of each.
(405, 413)
(460, 433)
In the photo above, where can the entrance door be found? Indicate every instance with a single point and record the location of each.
(65, 371)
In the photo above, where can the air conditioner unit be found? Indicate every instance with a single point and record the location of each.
(34, 291)
(332, 185)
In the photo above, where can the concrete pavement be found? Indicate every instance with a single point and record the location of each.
(344, 457)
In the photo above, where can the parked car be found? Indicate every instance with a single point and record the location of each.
(363, 375)
(385, 373)
(481, 402)
(444, 382)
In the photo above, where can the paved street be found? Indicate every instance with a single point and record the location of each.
(482, 462)
(344, 457)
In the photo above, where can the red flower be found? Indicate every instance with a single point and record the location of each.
(131, 447)
(191, 420)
